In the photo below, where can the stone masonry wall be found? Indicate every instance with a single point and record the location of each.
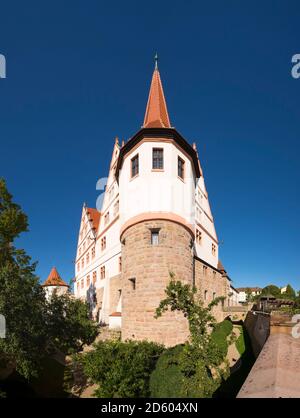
(211, 283)
(150, 265)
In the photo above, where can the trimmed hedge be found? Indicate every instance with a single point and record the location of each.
(166, 379)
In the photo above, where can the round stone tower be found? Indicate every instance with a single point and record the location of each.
(151, 249)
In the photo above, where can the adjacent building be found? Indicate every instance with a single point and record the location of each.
(245, 291)
(54, 284)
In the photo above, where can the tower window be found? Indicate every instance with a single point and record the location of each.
(204, 270)
(157, 159)
(205, 295)
(135, 166)
(155, 237)
(181, 168)
(120, 264)
(214, 295)
(133, 283)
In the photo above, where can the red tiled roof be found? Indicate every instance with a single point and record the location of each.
(156, 115)
(94, 216)
(54, 279)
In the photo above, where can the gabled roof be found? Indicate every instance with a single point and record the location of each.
(156, 115)
(252, 289)
(94, 217)
(54, 279)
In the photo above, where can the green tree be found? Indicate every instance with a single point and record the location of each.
(248, 294)
(271, 289)
(68, 325)
(22, 300)
(34, 327)
(290, 292)
(202, 362)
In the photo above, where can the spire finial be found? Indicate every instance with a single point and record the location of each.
(156, 115)
(156, 61)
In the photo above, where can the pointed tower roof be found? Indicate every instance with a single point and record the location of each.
(54, 279)
(156, 115)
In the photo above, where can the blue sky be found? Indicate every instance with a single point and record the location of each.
(78, 75)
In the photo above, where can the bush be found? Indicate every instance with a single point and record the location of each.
(121, 369)
(182, 372)
(166, 380)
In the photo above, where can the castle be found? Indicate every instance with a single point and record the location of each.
(155, 219)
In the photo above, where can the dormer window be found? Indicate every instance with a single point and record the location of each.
(135, 166)
(157, 159)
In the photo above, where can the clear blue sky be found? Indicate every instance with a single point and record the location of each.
(78, 74)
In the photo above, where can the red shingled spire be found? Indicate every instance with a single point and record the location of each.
(156, 115)
(54, 279)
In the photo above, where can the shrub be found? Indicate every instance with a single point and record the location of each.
(121, 369)
(167, 377)
(202, 362)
